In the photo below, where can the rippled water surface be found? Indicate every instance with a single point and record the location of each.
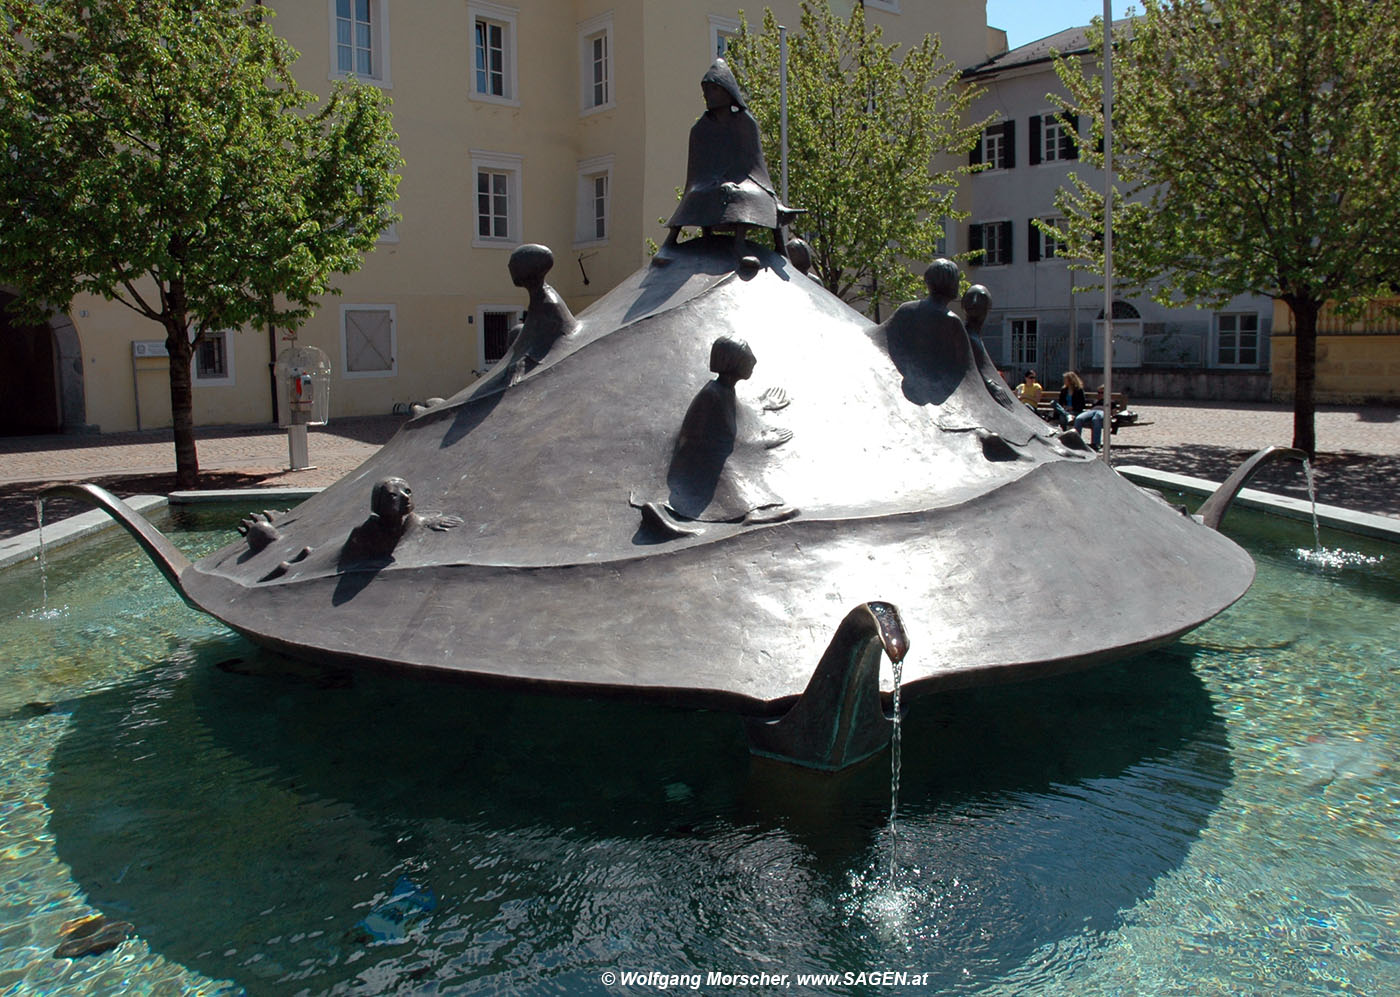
(1220, 817)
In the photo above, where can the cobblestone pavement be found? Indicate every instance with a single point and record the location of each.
(1357, 466)
(1358, 448)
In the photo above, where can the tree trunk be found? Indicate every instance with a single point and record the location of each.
(1305, 312)
(177, 343)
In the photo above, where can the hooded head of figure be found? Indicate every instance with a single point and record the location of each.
(720, 75)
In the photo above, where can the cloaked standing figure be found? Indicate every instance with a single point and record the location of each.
(726, 178)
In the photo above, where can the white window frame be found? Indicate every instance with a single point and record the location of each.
(1051, 248)
(391, 232)
(499, 15)
(390, 235)
(226, 379)
(393, 368)
(481, 311)
(993, 137)
(889, 6)
(513, 167)
(586, 220)
(721, 29)
(994, 225)
(1215, 346)
(1052, 129)
(379, 43)
(1024, 358)
(596, 29)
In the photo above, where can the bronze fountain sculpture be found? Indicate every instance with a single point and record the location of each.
(601, 516)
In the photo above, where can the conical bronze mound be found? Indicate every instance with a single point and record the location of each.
(559, 535)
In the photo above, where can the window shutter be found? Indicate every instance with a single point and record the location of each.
(1009, 143)
(1032, 241)
(1070, 142)
(368, 336)
(1007, 228)
(975, 157)
(974, 243)
(1033, 138)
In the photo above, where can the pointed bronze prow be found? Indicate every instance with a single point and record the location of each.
(167, 557)
(839, 720)
(1213, 510)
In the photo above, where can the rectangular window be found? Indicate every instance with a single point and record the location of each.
(360, 39)
(1025, 342)
(600, 207)
(722, 30)
(213, 359)
(367, 340)
(595, 63)
(492, 204)
(993, 150)
(599, 59)
(493, 51)
(1059, 140)
(354, 47)
(994, 239)
(594, 188)
(498, 198)
(490, 59)
(997, 147)
(1043, 245)
(497, 332)
(1054, 137)
(1237, 339)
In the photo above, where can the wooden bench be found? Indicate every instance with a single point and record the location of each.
(1045, 408)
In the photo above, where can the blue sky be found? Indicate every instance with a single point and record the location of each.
(1027, 20)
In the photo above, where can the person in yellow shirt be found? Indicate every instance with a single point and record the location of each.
(1029, 389)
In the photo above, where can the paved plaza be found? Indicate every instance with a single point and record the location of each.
(1358, 462)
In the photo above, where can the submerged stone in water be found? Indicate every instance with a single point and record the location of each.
(91, 935)
(1323, 761)
(391, 920)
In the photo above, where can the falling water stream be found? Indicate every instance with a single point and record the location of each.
(1312, 498)
(43, 565)
(897, 668)
(1319, 556)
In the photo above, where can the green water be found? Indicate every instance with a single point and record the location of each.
(1221, 817)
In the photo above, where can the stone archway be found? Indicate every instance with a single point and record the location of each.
(41, 375)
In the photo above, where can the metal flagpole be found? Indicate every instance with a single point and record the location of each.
(782, 103)
(1107, 226)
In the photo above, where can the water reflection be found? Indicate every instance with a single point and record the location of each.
(246, 817)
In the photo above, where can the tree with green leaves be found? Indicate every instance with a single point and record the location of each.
(160, 154)
(872, 141)
(1257, 149)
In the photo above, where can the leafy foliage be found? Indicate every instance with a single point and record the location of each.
(1257, 149)
(161, 154)
(871, 138)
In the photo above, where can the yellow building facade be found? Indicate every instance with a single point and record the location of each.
(1358, 360)
(561, 122)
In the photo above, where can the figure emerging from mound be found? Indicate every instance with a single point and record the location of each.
(716, 470)
(927, 342)
(976, 302)
(391, 518)
(726, 179)
(547, 320)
